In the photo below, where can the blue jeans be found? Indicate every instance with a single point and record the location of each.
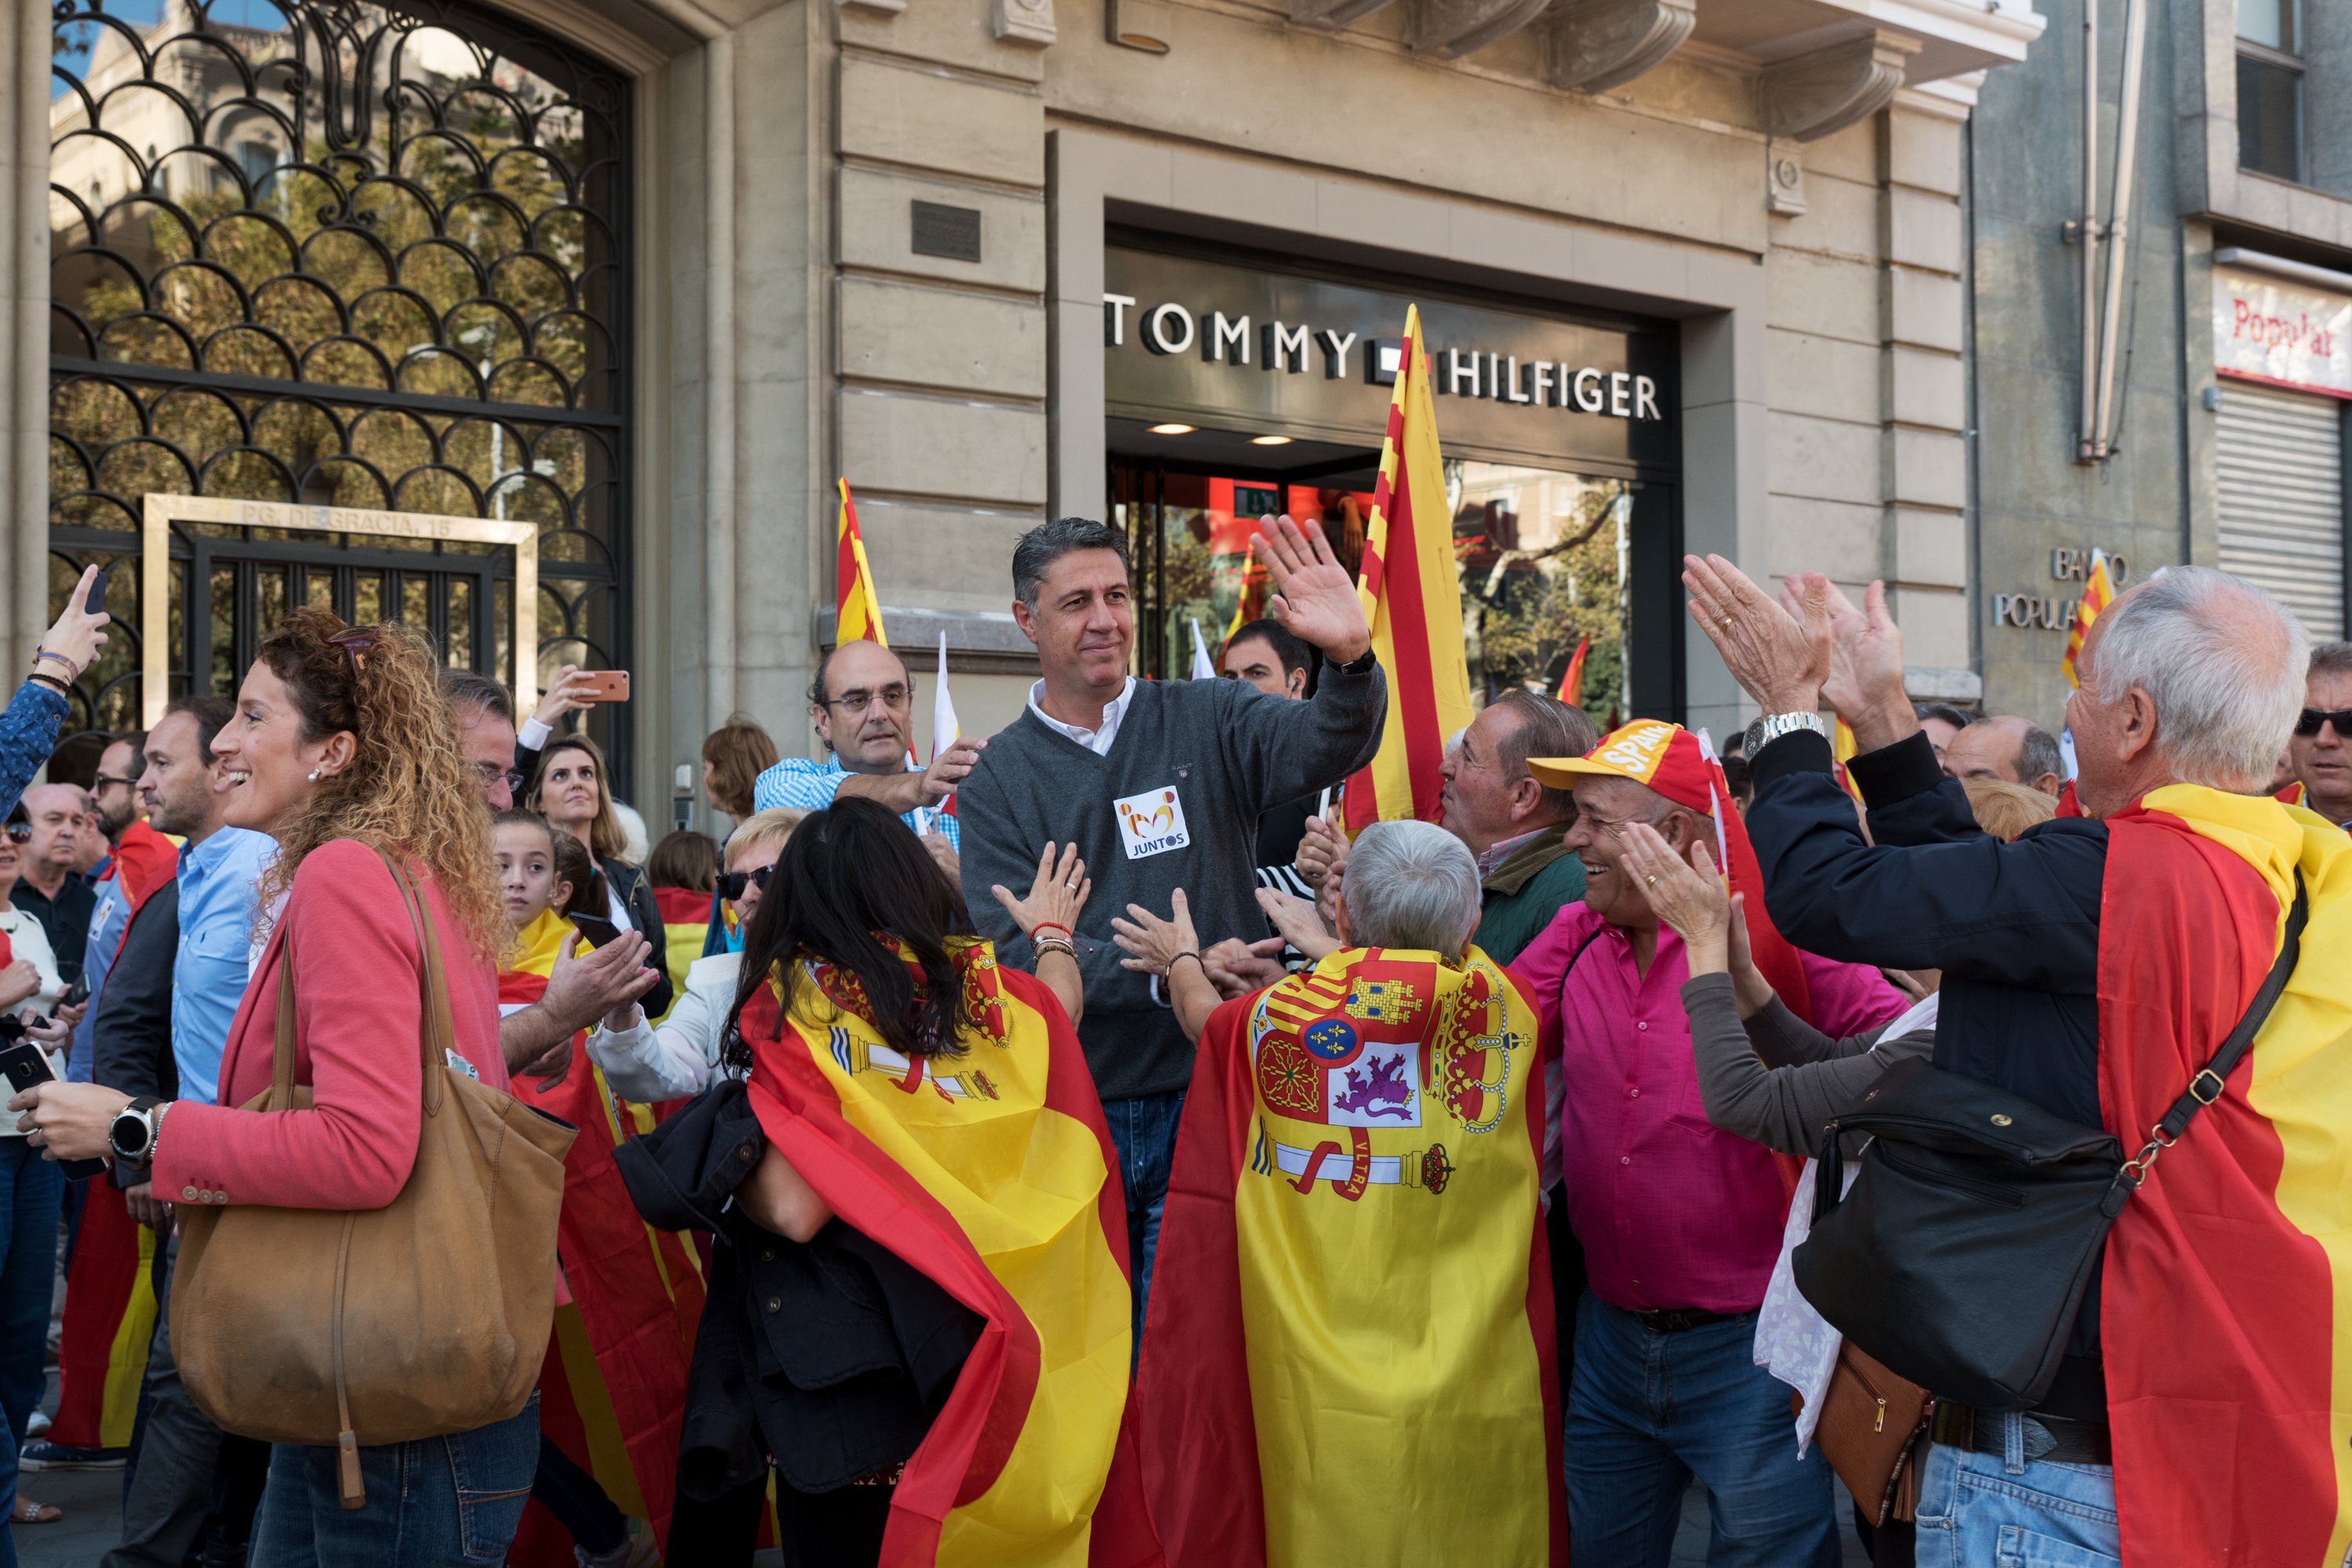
(1647, 1410)
(30, 1189)
(1143, 1130)
(1992, 1508)
(438, 1502)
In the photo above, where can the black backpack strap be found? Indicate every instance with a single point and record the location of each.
(2207, 1086)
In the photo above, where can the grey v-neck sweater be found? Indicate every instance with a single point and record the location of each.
(1228, 752)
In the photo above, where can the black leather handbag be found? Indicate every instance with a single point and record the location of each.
(1961, 1256)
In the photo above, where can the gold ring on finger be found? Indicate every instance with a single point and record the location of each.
(1727, 623)
(1652, 880)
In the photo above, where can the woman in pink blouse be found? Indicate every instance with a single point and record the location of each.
(341, 745)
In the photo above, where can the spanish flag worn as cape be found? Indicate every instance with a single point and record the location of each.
(989, 1172)
(1348, 1359)
(612, 1394)
(2226, 1317)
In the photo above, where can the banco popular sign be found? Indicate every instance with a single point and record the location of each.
(1254, 349)
(2281, 332)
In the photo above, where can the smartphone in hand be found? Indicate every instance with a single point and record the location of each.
(604, 685)
(95, 603)
(595, 931)
(25, 1064)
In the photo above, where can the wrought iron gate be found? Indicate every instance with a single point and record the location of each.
(347, 254)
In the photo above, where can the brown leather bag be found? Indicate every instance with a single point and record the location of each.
(427, 1317)
(1873, 1426)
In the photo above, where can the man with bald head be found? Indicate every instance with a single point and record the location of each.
(2093, 968)
(2003, 746)
(48, 888)
(862, 705)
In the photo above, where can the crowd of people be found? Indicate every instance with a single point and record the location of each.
(1092, 1148)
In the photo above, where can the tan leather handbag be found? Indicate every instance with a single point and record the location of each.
(427, 1317)
(1872, 1432)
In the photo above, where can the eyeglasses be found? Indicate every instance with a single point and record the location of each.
(731, 884)
(893, 697)
(2312, 718)
(490, 774)
(103, 779)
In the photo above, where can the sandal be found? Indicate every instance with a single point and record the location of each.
(31, 1512)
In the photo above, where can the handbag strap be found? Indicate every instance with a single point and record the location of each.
(436, 1032)
(2207, 1086)
(281, 1055)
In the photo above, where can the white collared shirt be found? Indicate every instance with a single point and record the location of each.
(1095, 740)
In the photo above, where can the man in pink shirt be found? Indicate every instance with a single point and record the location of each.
(1680, 1221)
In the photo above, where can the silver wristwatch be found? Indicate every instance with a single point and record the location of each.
(1772, 726)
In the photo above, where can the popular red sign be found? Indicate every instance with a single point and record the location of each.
(2270, 331)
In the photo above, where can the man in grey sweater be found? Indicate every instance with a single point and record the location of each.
(1160, 784)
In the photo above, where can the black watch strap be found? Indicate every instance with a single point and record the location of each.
(139, 1106)
(1364, 664)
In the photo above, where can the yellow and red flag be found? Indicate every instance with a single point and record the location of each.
(991, 1173)
(613, 1394)
(1348, 1353)
(110, 1318)
(2098, 593)
(1842, 748)
(1257, 586)
(857, 612)
(1412, 606)
(1571, 680)
(2226, 1311)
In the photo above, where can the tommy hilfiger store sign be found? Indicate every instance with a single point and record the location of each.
(1246, 347)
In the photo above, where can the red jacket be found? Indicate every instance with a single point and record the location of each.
(357, 1011)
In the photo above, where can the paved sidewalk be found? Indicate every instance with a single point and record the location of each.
(92, 1500)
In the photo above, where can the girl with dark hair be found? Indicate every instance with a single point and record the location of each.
(934, 1208)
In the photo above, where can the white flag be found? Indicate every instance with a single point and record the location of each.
(1201, 668)
(945, 732)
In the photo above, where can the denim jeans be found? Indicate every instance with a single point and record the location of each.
(1647, 1410)
(1143, 1130)
(30, 1190)
(1991, 1509)
(438, 1502)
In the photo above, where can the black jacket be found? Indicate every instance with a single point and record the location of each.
(636, 893)
(2014, 928)
(130, 1033)
(833, 1355)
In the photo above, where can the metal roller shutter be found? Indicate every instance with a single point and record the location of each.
(2280, 471)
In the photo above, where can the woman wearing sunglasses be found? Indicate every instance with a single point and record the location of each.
(679, 1056)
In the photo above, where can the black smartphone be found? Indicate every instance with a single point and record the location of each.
(96, 603)
(594, 931)
(25, 1064)
(77, 993)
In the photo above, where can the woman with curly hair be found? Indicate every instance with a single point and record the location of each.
(342, 746)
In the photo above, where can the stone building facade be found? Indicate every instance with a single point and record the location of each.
(650, 274)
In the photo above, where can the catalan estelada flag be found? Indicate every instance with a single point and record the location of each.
(2226, 1310)
(2098, 593)
(1412, 606)
(990, 1173)
(613, 1394)
(858, 613)
(1571, 680)
(1349, 1353)
(1257, 584)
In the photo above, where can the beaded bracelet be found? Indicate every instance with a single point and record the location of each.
(1057, 944)
(1170, 972)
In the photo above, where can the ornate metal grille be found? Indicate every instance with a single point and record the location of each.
(333, 252)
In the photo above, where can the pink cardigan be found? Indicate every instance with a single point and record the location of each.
(356, 1007)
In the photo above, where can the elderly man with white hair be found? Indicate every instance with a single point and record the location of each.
(2092, 969)
(1351, 1258)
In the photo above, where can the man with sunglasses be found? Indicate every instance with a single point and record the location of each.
(862, 703)
(2321, 746)
(139, 861)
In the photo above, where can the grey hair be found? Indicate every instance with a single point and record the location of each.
(1411, 885)
(1047, 543)
(2332, 658)
(2038, 753)
(2227, 688)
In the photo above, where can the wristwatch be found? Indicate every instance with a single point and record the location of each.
(1363, 663)
(1772, 726)
(133, 1132)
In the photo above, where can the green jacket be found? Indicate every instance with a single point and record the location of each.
(1523, 893)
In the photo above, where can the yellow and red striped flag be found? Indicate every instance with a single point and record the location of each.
(1412, 606)
(858, 613)
(2098, 592)
(1255, 585)
(1571, 680)
(1841, 749)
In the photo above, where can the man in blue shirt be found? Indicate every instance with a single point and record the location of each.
(861, 702)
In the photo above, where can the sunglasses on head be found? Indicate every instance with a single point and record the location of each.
(2312, 718)
(731, 884)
